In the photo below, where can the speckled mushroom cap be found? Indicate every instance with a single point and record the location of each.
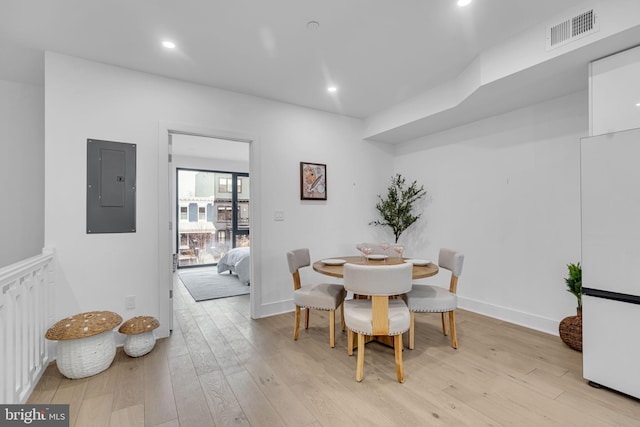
(83, 325)
(138, 325)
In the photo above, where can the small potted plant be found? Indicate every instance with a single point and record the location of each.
(571, 327)
(397, 209)
(574, 283)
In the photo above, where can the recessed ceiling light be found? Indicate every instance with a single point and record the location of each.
(168, 44)
(638, 104)
(332, 89)
(463, 3)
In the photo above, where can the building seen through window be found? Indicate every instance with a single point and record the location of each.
(205, 215)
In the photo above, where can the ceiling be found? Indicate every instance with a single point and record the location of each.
(378, 53)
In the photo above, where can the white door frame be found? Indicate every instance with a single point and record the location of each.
(165, 233)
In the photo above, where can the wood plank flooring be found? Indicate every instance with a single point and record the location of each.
(220, 368)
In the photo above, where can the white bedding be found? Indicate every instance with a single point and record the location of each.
(237, 261)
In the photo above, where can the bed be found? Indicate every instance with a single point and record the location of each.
(237, 261)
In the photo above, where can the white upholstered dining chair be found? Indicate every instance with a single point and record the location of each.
(378, 315)
(319, 296)
(436, 299)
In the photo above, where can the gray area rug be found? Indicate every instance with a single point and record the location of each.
(205, 283)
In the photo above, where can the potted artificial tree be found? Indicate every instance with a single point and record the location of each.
(396, 209)
(571, 327)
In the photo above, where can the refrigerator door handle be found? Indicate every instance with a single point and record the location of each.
(615, 296)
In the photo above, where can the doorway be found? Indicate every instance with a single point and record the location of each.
(199, 147)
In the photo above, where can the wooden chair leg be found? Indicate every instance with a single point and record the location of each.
(412, 330)
(397, 346)
(360, 366)
(332, 328)
(444, 324)
(306, 320)
(296, 328)
(342, 317)
(452, 326)
(349, 342)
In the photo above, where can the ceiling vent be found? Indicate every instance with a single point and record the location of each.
(571, 29)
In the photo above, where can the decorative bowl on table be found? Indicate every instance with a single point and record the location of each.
(416, 261)
(333, 261)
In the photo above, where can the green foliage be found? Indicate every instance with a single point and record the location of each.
(574, 282)
(396, 209)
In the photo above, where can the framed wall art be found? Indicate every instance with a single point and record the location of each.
(313, 181)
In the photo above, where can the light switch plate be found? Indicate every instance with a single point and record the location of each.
(130, 302)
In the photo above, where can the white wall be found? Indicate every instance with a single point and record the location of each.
(506, 192)
(21, 171)
(89, 100)
(615, 92)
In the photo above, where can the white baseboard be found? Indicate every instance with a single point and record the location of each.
(527, 320)
(36, 379)
(274, 308)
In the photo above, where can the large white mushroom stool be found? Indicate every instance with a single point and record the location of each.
(140, 337)
(86, 345)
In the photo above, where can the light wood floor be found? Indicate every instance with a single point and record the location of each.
(222, 368)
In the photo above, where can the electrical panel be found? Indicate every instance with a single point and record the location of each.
(111, 187)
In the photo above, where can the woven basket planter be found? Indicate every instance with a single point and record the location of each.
(84, 357)
(571, 331)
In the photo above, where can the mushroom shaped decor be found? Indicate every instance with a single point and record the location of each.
(140, 338)
(86, 345)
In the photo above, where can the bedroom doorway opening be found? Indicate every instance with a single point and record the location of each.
(212, 213)
(192, 147)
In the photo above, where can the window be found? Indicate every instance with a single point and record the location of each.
(225, 185)
(204, 212)
(243, 215)
(224, 213)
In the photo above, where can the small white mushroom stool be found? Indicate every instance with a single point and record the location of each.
(140, 338)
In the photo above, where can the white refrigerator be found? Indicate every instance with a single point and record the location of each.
(610, 198)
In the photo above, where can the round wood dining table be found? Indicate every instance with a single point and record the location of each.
(419, 271)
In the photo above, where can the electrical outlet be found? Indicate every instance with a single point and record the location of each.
(130, 302)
